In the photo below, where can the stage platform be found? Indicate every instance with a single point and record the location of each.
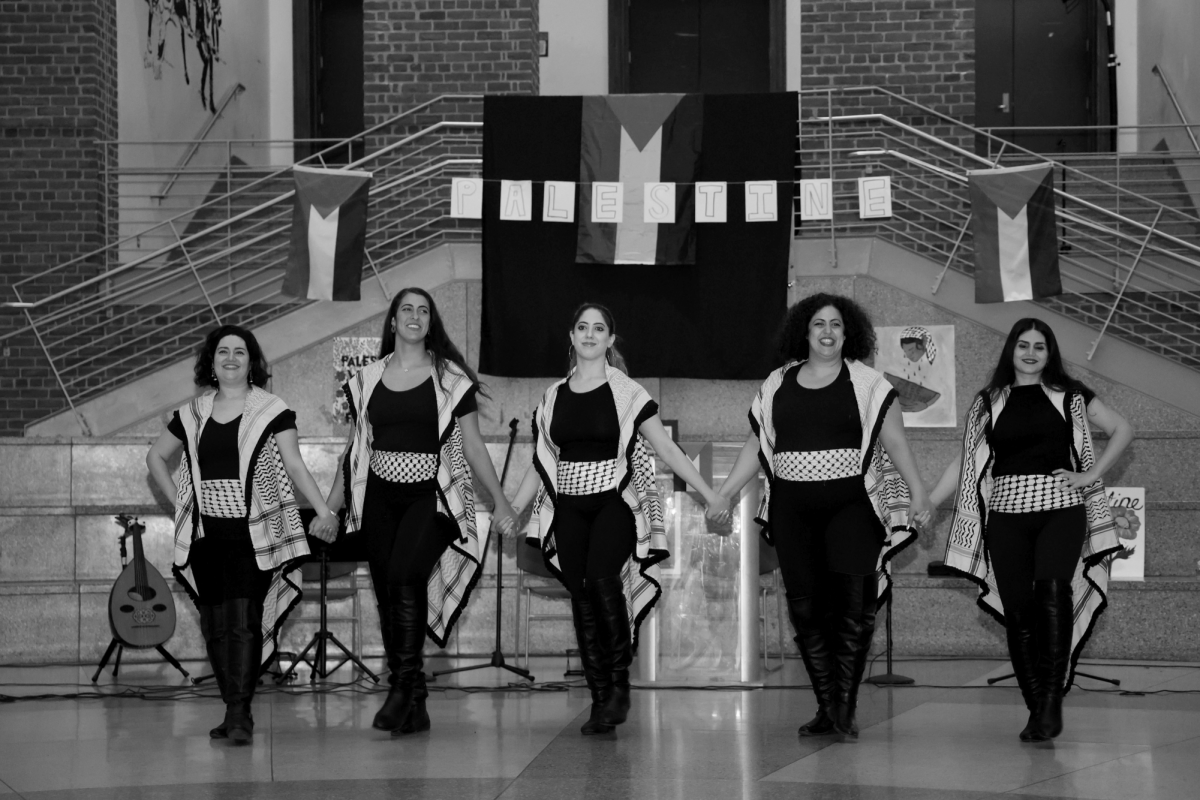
(951, 736)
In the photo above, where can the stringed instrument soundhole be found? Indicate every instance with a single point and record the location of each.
(159, 607)
(127, 609)
(144, 616)
(141, 594)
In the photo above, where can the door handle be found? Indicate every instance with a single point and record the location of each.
(1005, 103)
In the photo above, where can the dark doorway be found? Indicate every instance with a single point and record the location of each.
(711, 46)
(1037, 65)
(328, 45)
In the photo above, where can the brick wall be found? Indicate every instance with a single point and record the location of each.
(417, 49)
(922, 49)
(58, 95)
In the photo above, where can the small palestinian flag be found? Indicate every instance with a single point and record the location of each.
(1016, 234)
(329, 233)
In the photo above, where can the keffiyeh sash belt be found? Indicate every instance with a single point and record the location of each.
(404, 467)
(817, 465)
(1021, 494)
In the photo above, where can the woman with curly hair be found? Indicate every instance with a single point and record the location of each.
(236, 521)
(598, 517)
(830, 438)
(1031, 520)
(407, 484)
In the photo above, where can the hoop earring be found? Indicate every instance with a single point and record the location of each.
(608, 356)
(214, 375)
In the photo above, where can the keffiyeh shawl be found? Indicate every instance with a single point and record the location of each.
(886, 490)
(271, 510)
(966, 547)
(458, 570)
(635, 483)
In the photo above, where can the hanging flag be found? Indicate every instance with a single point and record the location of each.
(710, 317)
(635, 141)
(1016, 234)
(329, 234)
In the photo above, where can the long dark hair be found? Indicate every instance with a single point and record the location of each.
(612, 355)
(793, 334)
(437, 341)
(204, 374)
(1054, 375)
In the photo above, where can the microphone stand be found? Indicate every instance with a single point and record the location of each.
(497, 659)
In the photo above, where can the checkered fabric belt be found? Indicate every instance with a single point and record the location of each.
(817, 465)
(222, 499)
(404, 467)
(586, 477)
(1020, 494)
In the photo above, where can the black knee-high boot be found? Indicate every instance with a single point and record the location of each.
(855, 598)
(387, 717)
(1055, 620)
(212, 628)
(818, 660)
(409, 632)
(1022, 650)
(243, 618)
(594, 657)
(608, 598)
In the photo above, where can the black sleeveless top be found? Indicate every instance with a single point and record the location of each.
(816, 419)
(407, 422)
(585, 425)
(1031, 437)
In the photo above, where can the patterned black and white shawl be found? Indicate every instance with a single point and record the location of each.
(966, 549)
(458, 570)
(271, 510)
(886, 489)
(634, 482)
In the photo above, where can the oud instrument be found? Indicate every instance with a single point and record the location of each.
(141, 610)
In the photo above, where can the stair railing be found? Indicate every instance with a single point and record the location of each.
(194, 145)
(1158, 70)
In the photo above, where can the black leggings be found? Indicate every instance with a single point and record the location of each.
(223, 563)
(595, 535)
(405, 534)
(819, 527)
(1037, 545)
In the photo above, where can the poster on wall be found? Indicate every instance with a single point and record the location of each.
(350, 354)
(918, 360)
(1128, 507)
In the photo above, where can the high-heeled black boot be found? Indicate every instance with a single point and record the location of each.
(387, 718)
(608, 598)
(409, 639)
(1022, 650)
(1055, 619)
(594, 659)
(243, 663)
(212, 628)
(818, 661)
(855, 601)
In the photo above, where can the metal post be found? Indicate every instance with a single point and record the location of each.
(937, 284)
(833, 259)
(889, 678)
(83, 425)
(228, 214)
(1128, 276)
(386, 294)
(748, 594)
(196, 274)
(648, 647)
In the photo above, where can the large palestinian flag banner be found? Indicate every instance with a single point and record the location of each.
(690, 300)
(329, 234)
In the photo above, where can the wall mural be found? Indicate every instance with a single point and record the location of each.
(198, 20)
(919, 361)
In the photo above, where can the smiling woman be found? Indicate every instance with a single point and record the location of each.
(236, 522)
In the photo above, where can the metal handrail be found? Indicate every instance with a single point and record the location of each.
(1157, 70)
(276, 174)
(231, 93)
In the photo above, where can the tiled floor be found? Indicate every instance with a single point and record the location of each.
(949, 737)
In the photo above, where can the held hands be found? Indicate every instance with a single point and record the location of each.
(717, 510)
(920, 510)
(504, 517)
(325, 526)
(1075, 480)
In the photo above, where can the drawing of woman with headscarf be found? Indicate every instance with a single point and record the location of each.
(920, 352)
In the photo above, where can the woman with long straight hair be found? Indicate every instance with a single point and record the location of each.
(829, 435)
(406, 483)
(597, 511)
(236, 521)
(1031, 520)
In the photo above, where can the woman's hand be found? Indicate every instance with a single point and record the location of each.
(504, 516)
(920, 510)
(1068, 480)
(718, 509)
(325, 526)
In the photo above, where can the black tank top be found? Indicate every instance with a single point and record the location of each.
(585, 425)
(1031, 437)
(406, 422)
(816, 419)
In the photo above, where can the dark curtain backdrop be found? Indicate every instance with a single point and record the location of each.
(714, 319)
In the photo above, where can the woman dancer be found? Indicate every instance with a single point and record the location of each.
(600, 523)
(407, 473)
(236, 521)
(1031, 520)
(839, 472)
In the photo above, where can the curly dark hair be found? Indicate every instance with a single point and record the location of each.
(1054, 374)
(793, 334)
(204, 357)
(437, 341)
